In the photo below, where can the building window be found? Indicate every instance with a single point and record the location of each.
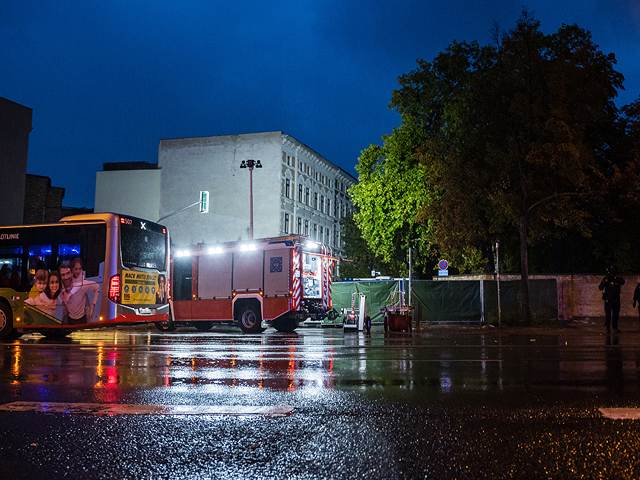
(328, 206)
(322, 203)
(300, 193)
(321, 234)
(315, 200)
(286, 223)
(315, 231)
(287, 188)
(306, 196)
(299, 225)
(306, 227)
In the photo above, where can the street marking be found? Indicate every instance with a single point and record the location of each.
(127, 409)
(621, 413)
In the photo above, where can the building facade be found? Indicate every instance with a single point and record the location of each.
(296, 190)
(42, 201)
(15, 126)
(132, 188)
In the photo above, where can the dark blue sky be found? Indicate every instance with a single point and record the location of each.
(108, 79)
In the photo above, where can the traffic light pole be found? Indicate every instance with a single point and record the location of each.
(203, 202)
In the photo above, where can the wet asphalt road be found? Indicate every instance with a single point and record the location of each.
(443, 402)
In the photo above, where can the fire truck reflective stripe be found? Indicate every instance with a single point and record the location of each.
(126, 409)
(324, 281)
(330, 301)
(297, 290)
(325, 284)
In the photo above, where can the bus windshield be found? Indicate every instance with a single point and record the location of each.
(144, 248)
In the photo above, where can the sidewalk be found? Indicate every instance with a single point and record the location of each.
(629, 326)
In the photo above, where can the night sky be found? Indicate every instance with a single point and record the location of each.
(108, 79)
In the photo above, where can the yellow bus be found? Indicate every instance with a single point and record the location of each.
(85, 271)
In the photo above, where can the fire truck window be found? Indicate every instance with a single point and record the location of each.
(182, 275)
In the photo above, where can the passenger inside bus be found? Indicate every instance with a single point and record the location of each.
(5, 276)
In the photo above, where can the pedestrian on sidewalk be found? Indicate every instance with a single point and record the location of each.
(611, 286)
(636, 299)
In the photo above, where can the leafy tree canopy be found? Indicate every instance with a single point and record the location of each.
(390, 190)
(517, 141)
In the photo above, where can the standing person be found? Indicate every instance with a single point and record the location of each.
(47, 301)
(161, 295)
(5, 274)
(74, 297)
(40, 282)
(636, 298)
(76, 270)
(610, 285)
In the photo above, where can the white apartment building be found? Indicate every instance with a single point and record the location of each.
(296, 190)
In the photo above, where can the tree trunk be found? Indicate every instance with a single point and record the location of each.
(525, 305)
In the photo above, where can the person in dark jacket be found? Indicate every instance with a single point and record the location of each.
(636, 298)
(610, 286)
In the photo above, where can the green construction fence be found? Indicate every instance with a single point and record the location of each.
(456, 301)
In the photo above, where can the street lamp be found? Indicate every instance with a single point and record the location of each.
(251, 164)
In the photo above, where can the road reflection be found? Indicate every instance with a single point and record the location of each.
(109, 364)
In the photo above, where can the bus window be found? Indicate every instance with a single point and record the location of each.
(66, 251)
(40, 258)
(142, 248)
(10, 272)
(95, 252)
(10, 266)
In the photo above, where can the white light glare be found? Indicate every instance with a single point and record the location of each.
(183, 253)
(215, 250)
(312, 245)
(245, 247)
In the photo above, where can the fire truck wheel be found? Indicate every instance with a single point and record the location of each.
(249, 319)
(203, 326)
(6, 321)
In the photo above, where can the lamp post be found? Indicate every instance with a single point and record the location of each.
(251, 164)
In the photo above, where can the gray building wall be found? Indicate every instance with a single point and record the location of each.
(133, 192)
(188, 165)
(15, 126)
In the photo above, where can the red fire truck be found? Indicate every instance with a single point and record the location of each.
(280, 281)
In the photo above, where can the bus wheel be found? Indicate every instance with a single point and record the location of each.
(249, 320)
(286, 325)
(168, 326)
(6, 321)
(203, 326)
(55, 334)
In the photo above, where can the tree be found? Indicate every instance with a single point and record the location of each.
(361, 260)
(514, 142)
(390, 190)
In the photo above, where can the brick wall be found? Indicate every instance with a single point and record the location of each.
(42, 202)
